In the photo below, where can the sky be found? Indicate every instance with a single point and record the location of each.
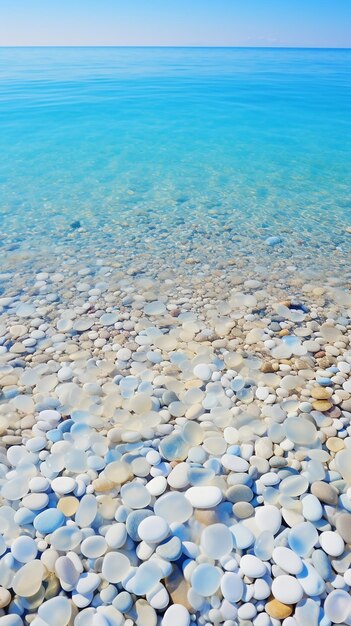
(295, 23)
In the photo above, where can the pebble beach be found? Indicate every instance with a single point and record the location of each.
(175, 411)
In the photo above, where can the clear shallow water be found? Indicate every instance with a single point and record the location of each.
(199, 153)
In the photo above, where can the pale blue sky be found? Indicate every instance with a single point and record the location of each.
(310, 23)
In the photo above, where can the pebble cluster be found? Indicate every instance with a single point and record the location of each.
(173, 456)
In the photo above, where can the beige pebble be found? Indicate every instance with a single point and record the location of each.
(334, 444)
(278, 610)
(68, 505)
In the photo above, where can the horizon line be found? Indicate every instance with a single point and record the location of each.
(278, 47)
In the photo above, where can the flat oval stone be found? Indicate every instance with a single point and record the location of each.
(251, 566)
(331, 543)
(311, 508)
(63, 485)
(115, 567)
(343, 526)
(173, 507)
(293, 486)
(206, 579)
(287, 560)
(216, 541)
(300, 431)
(204, 497)
(66, 571)
(153, 529)
(56, 611)
(232, 587)
(116, 536)
(302, 538)
(337, 606)
(35, 501)
(118, 472)
(176, 615)
(66, 538)
(48, 521)
(287, 589)
(135, 495)
(93, 547)
(343, 463)
(28, 579)
(268, 517)
(24, 549)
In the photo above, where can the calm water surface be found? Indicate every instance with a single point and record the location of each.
(200, 153)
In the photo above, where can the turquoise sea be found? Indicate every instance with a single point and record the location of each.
(183, 152)
(175, 324)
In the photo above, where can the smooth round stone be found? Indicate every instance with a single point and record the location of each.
(135, 495)
(56, 611)
(202, 371)
(325, 492)
(294, 486)
(343, 463)
(63, 485)
(38, 483)
(116, 536)
(118, 472)
(174, 447)
(173, 507)
(35, 501)
(107, 319)
(157, 486)
(206, 579)
(48, 521)
(268, 517)
(343, 526)
(176, 615)
(216, 541)
(115, 567)
(243, 510)
(234, 463)
(170, 550)
(331, 543)
(153, 529)
(155, 308)
(279, 611)
(232, 587)
(24, 549)
(204, 497)
(28, 579)
(300, 431)
(93, 547)
(287, 589)
(337, 606)
(68, 505)
(239, 493)
(15, 489)
(86, 511)
(302, 538)
(66, 571)
(312, 509)
(287, 560)
(311, 581)
(251, 566)
(66, 538)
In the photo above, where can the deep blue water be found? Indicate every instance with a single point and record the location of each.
(135, 143)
